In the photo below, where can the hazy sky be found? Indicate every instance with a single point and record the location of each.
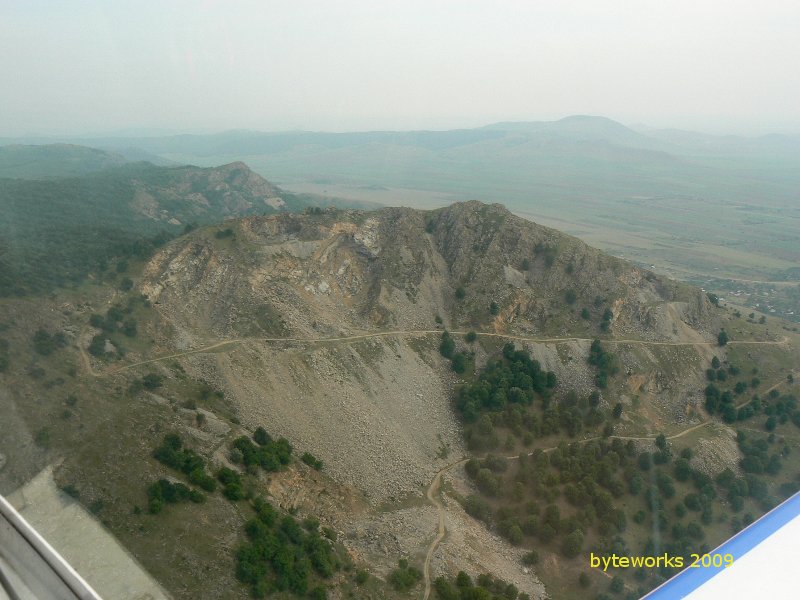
(95, 66)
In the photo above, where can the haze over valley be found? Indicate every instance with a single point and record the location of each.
(428, 301)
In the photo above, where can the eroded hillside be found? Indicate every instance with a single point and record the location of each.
(399, 268)
(325, 329)
(470, 266)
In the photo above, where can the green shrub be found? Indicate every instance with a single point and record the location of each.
(404, 577)
(447, 347)
(261, 437)
(279, 555)
(530, 558)
(165, 492)
(152, 381)
(45, 344)
(460, 362)
(311, 461)
(272, 456)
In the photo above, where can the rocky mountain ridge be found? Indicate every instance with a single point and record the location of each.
(325, 328)
(331, 275)
(56, 231)
(473, 265)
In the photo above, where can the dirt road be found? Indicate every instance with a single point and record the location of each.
(433, 489)
(410, 333)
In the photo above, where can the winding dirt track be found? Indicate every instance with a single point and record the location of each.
(411, 333)
(433, 490)
(431, 494)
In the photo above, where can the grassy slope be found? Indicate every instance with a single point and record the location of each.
(54, 160)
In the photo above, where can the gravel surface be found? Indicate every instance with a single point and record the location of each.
(374, 412)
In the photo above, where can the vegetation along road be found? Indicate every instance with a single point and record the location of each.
(409, 332)
(434, 489)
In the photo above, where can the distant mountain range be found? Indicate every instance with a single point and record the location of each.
(44, 161)
(575, 158)
(56, 230)
(576, 129)
(689, 203)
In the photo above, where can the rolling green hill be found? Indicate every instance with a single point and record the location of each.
(54, 160)
(54, 232)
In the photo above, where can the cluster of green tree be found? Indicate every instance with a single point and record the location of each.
(605, 362)
(607, 316)
(46, 256)
(312, 461)
(547, 252)
(405, 576)
(97, 347)
(5, 359)
(779, 409)
(271, 455)
(281, 555)
(751, 318)
(597, 480)
(685, 538)
(503, 397)
(716, 371)
(514, 379)
(605, 323)
(590, 476)
(757, 458)
(224, 233)
(737, 489)
(461, 587)
(165, 492)
(590, 492)
(150, 382)
(46, 343)
(231, 481)
(460, 361)
(118, 319)
(172, 454)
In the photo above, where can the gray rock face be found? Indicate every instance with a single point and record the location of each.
(378, 409)
(400, 267)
